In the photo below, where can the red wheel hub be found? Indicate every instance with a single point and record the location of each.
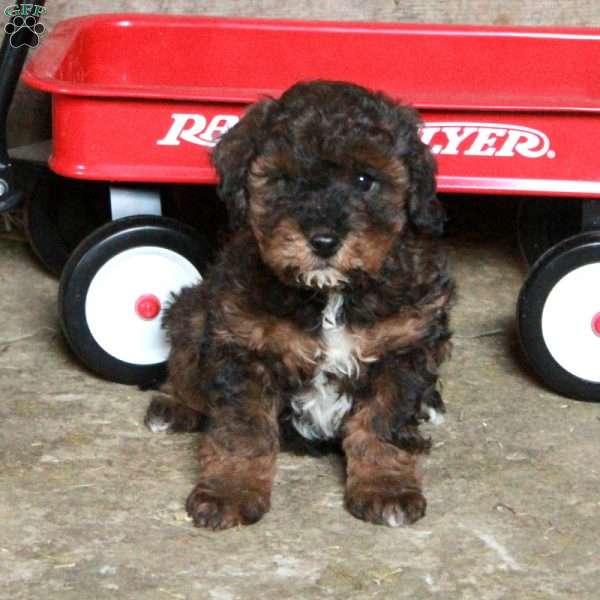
(596, 324)
(147, 307)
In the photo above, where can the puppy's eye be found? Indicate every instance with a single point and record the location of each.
(363, 182)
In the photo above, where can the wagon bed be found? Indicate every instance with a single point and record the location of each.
(144, 97)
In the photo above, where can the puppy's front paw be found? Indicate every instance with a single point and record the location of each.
(386, 505)
(222, 507)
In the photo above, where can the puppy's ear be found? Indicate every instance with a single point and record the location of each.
(425, 211)
(232, 158)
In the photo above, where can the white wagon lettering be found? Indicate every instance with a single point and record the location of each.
(444, 138)
(197, 129)
(485, 139)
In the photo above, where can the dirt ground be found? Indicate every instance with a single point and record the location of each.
(91, 503)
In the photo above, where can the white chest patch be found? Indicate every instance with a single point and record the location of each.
(319, 410)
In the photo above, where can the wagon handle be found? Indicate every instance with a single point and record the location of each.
(12, 58)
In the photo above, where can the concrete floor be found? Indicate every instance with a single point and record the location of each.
(91, 504)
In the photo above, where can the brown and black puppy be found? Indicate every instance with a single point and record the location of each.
(328, 307)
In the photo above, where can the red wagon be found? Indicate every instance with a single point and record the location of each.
(140, 100)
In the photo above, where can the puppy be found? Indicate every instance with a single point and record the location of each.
(327, 309)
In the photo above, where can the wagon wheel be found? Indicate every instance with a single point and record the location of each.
(114, 288)
(543, 222)
(558, 315)
(59, 213)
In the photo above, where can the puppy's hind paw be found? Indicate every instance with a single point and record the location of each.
(158, 415)
(165, 414)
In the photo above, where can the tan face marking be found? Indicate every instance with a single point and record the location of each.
(285, 248)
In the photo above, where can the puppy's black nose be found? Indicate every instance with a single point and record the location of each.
(324, 244)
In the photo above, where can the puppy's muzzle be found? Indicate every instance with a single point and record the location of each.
(324, 245)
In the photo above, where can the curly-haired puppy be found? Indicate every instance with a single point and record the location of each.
(328, 308)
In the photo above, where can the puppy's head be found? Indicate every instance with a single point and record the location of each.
(328, 177)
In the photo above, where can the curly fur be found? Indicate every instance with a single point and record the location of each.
(345, 344)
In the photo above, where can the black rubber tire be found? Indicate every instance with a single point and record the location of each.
(551, 267)
(59, 213)
(84, 263)
(544, 222)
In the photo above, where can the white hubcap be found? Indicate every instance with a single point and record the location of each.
(570, 319)
(113, 300)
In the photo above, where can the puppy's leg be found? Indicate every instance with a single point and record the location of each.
(237, 462)
(382, 444)
(178, 407)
